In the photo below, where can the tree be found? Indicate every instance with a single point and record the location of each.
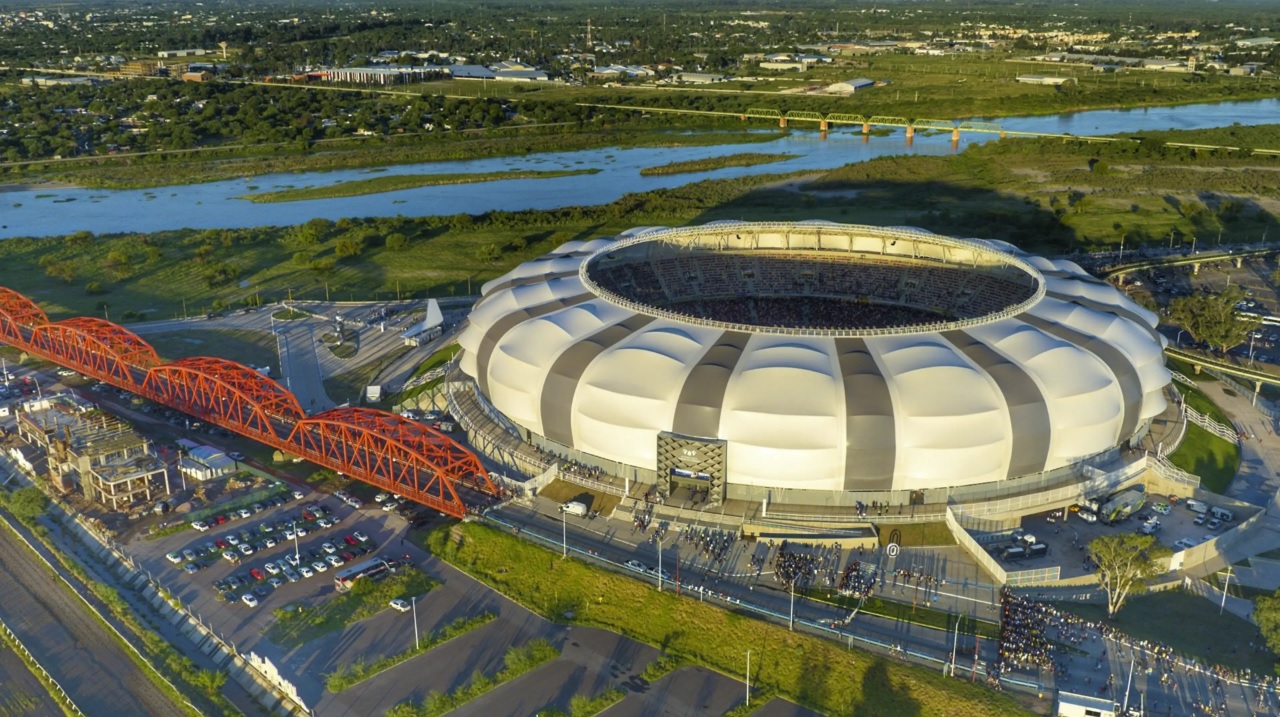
(348, 247)
(1266, 612)
(27, 504)
(1126, 561)
(397, 242)
(1213, 318)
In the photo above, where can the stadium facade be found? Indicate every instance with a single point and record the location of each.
(793, 362)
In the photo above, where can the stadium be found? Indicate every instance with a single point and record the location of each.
(814, 363)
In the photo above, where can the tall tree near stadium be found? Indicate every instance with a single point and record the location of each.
(1266, 612)
(1125, 563)
(1213, 318)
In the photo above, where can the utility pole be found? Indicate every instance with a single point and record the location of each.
(748, 678)
(564, 536)
(659, 564)
(414, 602)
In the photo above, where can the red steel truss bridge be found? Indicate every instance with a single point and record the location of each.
(380, 448)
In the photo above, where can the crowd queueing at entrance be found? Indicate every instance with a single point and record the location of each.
(1024, 635)
(1030, 629)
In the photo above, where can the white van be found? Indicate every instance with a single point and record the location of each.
(1222, 514)
(1196, 506)
(574, 507)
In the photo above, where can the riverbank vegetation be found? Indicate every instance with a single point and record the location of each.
(397, 182)
(746, 159)
(813, 672)
(1050, 197)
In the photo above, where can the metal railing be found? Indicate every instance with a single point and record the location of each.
(591, 483)
(57, 691)
(1169, 471)
(1210, 425)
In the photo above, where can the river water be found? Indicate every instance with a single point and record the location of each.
(48, 212)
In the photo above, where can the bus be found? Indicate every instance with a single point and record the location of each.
(375, 568)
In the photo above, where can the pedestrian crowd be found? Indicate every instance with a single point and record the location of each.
(1024, 634)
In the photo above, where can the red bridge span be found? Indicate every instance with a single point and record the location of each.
(373, 446)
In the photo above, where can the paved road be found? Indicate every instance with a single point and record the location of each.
(72, 645)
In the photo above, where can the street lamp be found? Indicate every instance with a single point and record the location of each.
(1178, 341)
(413, 601)
(659, 537)
(748, 678)
(296, 555)
(1121, 259)
(564, 535)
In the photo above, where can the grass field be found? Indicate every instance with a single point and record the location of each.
(1213, 459)
(810, 671)
(1189, 624)
(247, 347)
(915, 534)
(564, 491)
(398, 182)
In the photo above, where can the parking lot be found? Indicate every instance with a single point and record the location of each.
(1067, 538)
(286, 552)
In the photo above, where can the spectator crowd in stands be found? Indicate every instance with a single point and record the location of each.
(821, 290)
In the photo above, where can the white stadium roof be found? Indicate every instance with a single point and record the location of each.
(1074, 371)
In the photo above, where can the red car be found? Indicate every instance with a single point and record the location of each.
(351, 540)
(257, 574)
(220, 519)
(348, 557)
(222, 543)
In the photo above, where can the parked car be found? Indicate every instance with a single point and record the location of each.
(200, 525)
(250, 599)
(320, 566)
(306, 571)
(1214, 524)
(191, 568)
(272, 568)
(334, 560)
(175, 557)
(328, 548)
(401, 605)
(257, 574)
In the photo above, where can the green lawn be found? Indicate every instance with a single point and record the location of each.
(247, 347)
(1200, 401)
(1189, 371)
(813, 672)
(916, 534)
(1189, 624)
(1213, 459)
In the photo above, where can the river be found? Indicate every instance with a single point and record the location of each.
(46, 212)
